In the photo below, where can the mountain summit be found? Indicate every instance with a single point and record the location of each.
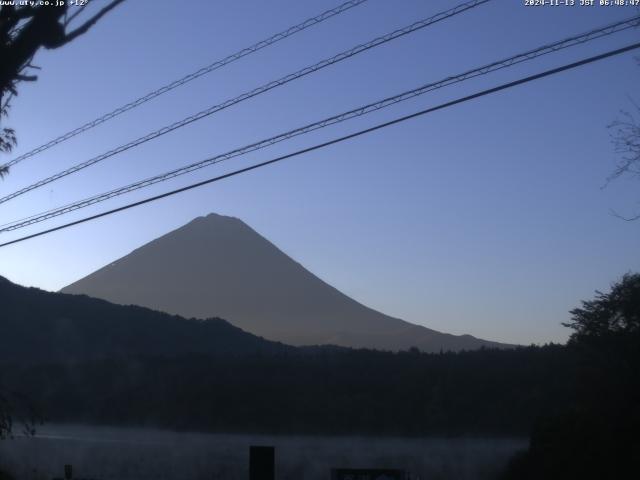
(217, 266)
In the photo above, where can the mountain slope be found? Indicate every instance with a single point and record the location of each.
(219, 266)
(42, 326)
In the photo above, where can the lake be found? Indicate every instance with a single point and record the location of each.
(106, 453)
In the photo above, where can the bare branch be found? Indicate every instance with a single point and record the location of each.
(626, 219)
(92, 21)
(24, 12)
(26, 78)
(72, 17)
(625, 137)
(4, 105)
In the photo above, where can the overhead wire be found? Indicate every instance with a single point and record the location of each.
(252, 93)
(359, 133)
(189, 77)
(578, 39)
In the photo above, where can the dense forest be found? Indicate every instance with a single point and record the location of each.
(409, 393)
(580, 401)
(81, 359)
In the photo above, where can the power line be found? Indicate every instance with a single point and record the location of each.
(257, 91)
(366, 109)
(189, 77)
(467, 98)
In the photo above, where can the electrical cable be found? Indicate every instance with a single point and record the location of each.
(337, 140)
(363, 110)
(250, 94)
(189, 77)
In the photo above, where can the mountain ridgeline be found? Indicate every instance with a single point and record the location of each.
(38, 326)
(82, 359)
(217, 266)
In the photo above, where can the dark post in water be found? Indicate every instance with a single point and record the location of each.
(261, 463)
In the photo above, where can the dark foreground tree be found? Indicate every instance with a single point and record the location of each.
(598, 435)
(15, 407)
(616, 313)
(25, 29)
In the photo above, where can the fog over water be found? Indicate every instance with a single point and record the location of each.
(138, 454)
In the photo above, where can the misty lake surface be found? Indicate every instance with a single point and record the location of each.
(105, 453)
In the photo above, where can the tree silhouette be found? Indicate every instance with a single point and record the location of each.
(613, 313)
(596, 435)
(25, 29)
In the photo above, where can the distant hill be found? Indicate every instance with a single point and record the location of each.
(42, 326)
(217, 266)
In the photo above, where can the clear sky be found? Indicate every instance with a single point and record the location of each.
(486, 218)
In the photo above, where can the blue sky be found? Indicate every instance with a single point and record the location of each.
(487, 218)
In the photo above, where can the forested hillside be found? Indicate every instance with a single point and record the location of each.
(39, 326)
